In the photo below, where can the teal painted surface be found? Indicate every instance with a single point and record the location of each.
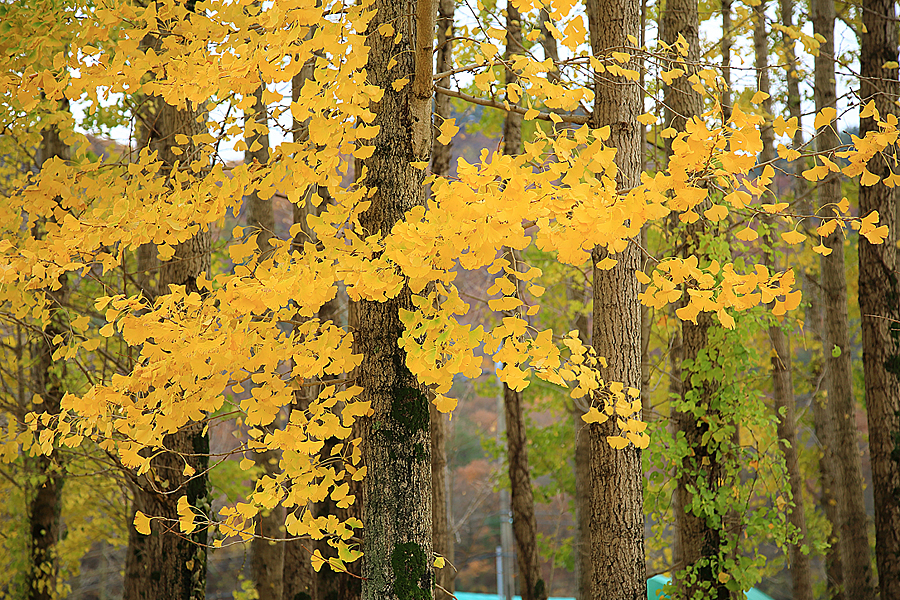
(655, 586)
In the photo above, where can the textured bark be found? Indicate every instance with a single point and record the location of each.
(617, 516)
(879, 298)
(859, 583)
(441, 153)
(441, 523)
(782, 378)
(725, 45)
(583, 568)
(548, 43)
(440, 480)
(531, 584)
(396, 439)
(48, 380)
(699, 543)
(167, 563)
(824, 429)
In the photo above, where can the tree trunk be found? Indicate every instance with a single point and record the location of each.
(441, 153)
(397, 545)
(531, 584)
(169, 564)
(442, 521)
(617, 515)
(48, 376)
(879, 297)
(726, 45)
(824, 430)
(782, 378)
(583, 568)
(267, 557)
(698, 541)
(857, 571)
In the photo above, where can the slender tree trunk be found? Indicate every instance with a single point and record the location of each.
(726, 44)
(397, 545)
(267, 561)
(824, 430)
(782, 378)
(48, 376)
(859, 583)
(879, 297)
(168, 564)
(441, 153)
(617, 515)
(298, 580)
(531, 584)
(440, 481)
(583, 568)
(699, 542)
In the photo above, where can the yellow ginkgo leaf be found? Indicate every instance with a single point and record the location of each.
(747, 234)
(825, 117)
(445, 404)
(616, 441)
(185, 515)
(822, 249)
(793, 237)
(716, 212)
(759, 97)
(448, 129)
(607, 263)
(141, 523)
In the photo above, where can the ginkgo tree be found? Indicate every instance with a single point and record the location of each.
(397, 256)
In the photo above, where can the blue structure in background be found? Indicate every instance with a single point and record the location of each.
(654, 590)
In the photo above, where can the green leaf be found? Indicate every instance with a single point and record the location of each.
(836, 351)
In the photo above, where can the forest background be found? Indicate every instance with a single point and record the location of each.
(637, 252)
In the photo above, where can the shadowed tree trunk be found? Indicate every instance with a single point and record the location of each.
(854, 542)
(782, 379)
(168, 564)
(879, 296)
(267, 560)
(397, 545)
(440, 479)
(699, 542)
(617, 516)
(531, 584)
(48, 380)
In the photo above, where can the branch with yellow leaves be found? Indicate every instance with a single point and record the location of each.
(542, 116)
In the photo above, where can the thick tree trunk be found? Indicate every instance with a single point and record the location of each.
(397, 545)
(617, 516)
(169, 564)
(267, 557)
(782, 379)
(48, 379)
(531, 584)
(879, 298)
(859, 583)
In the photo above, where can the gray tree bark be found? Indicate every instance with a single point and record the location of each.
(617, 516)
(397, 545)
(859, 583)
(879, 297)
